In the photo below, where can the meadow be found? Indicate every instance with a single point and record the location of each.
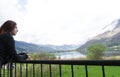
(79, 71)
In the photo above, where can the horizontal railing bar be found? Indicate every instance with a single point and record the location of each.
(73, 62)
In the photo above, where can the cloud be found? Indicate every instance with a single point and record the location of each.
(59, 21)
(9, 9)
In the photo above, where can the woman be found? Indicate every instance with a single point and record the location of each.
(7, 43)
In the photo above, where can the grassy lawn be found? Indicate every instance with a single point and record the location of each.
(93, 71)
(79, 71)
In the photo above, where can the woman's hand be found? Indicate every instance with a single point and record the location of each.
(23, 54)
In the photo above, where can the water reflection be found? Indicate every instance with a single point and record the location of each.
(69, 55)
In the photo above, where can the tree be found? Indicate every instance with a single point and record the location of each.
(96, 51)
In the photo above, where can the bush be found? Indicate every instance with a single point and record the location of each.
(96, 51)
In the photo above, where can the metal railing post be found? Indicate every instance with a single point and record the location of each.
(86, 70)
(10, 68)
(72, 70)
(0, 72)
(103, 70)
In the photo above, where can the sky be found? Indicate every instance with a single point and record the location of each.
(59, 22)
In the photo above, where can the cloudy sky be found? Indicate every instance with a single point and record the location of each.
(59, 22)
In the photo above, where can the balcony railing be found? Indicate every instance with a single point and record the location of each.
(62, 68)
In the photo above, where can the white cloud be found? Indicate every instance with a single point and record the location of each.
(59, 21)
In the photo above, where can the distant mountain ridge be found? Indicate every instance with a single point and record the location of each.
(29, 47)
(109, 38)
(64, 47)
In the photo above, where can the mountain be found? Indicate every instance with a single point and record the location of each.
(29, 47)
(110, 38)
(64, 47)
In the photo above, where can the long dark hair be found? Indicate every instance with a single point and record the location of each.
(7, 26)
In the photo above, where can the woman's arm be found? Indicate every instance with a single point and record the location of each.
(9, 45)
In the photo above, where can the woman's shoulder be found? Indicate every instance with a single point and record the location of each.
(6, 35)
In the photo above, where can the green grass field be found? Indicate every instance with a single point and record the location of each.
(79, 71)
(93, 71)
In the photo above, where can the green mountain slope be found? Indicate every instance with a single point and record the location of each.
(109, 38)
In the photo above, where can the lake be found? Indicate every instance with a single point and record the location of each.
(69, 55)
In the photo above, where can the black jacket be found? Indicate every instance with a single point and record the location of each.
(7, 49)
